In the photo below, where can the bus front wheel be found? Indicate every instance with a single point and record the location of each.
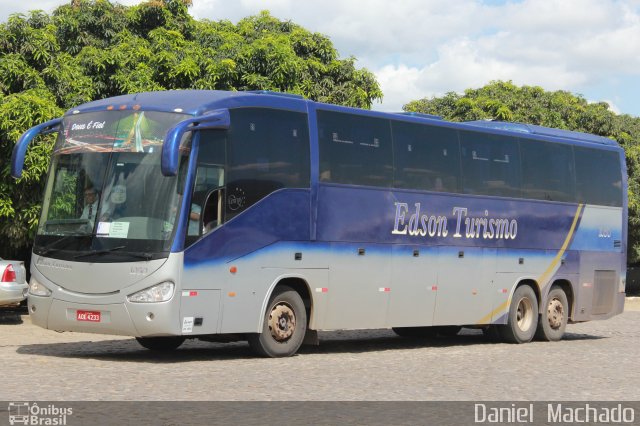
(553, 320)
(523, 316)
(284, 325)
(162, 343)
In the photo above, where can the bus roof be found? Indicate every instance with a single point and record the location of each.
(193, 102)
(543, 131)
(197, 102)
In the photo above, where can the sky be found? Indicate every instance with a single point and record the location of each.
(426, 48)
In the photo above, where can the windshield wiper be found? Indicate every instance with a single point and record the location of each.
(114, 250)
(45, 250)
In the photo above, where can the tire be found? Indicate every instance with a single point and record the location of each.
(523, 316)
(415, 332)
(554, 318)
(284, 325)
(161, 344)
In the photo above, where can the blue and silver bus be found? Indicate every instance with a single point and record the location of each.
(267, 217)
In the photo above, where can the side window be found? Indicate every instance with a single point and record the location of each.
(490, 164)
(355, 149)
(268, 150)
(205, 212)
(598, 177)
(547, 171)
(426, 157)
(69, 194)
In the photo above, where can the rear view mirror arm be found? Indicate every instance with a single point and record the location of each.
(20, 149)
(219, 119)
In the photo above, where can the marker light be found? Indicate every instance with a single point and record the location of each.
(37, 289)
(158, 293)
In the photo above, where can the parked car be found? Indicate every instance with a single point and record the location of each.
(13, 285)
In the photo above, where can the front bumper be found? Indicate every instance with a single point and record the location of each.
(124, 319)
(118, 316)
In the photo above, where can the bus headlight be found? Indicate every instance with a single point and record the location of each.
(38, 289)
(158, 293)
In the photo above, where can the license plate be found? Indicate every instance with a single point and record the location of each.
(92, 316)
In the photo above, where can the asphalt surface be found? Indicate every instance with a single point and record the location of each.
(596, 361)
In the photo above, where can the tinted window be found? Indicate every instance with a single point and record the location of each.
(354, 149)
(490, 164)
(598, 177)
(267, 150)
(547, 171)
(210, 178)
(426, 157)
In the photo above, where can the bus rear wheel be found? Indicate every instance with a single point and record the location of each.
(523, 316)
(284, 325)
(553, 320)
(161, 343)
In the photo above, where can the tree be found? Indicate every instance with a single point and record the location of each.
(93, 49)
(500, 100)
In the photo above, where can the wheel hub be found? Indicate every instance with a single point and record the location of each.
(555, 313)
(282, 322)
(524, 314)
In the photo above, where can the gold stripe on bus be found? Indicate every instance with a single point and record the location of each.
(546, 275)
(487, 318)
(544, 278)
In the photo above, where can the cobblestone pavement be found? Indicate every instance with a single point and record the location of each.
(595, 361)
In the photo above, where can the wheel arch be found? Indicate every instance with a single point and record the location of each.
(513, 331)
(567, 287)
(531, 283)
(298, 284)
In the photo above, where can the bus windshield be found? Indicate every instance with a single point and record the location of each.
(106, 199)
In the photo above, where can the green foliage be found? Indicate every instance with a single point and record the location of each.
(504, 101)
(93, 49)
(64, 199)
(20, 200)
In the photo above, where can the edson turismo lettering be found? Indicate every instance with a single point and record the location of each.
(423, 225)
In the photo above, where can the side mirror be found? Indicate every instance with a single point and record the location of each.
(219, 119)
(20, 149)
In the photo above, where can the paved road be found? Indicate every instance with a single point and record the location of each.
(596, 361)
